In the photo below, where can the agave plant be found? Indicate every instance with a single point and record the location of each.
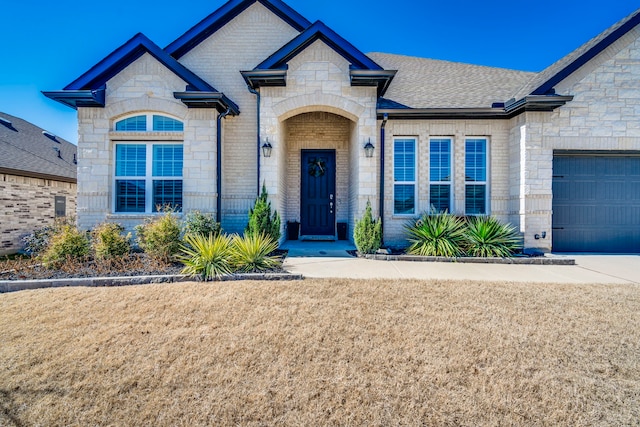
(436, 234)
(206, 256)
(487, 237)
(251, 252)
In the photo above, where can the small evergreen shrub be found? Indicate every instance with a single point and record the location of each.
(261, 220)
(36, 242)
(436, 234)
(485, 236)
(160, 237)
(109, 242)
(66, 244)
(367, 234)
(208, 257)
(251, 253)
(197, 222)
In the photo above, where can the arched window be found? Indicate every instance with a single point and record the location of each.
(149, 122)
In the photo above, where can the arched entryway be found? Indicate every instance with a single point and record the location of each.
(318, 171)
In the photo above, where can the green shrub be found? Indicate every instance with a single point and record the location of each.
(36, 242)
(261, 220)
(251, 253)
(197, 222)
(436, 234)
(485, 236)
(206, 256)
(68, 243)
(109, 242)
(367, 234)
(160, 237)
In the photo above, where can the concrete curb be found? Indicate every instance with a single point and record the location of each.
(472, 260)
(21, 285)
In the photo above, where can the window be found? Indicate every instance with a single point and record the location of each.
(440, 174)
(476, 176)
(154, 122)
(148, 169)
(404, 176)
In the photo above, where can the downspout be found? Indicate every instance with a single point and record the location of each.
(385, 117)
(219, 164)
(257, 94)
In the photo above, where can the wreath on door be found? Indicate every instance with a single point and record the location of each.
(317, 167)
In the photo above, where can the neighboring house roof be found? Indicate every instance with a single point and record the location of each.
(543, 83)
(430, 83)
(28, 151)
(94, 80)
(226, 13)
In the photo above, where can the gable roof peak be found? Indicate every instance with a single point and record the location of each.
(223, 15)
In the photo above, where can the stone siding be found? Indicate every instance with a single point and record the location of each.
(603, 116)
(27, 204)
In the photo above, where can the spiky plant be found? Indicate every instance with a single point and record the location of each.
(487, 237)
(436, 234)
(251, 252)
(206, 256)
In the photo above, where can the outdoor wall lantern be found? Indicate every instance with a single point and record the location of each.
(266, 149)
(368, 148)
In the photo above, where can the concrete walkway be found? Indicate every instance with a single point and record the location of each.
(331, 260)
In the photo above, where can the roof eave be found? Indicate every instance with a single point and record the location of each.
(528, 103)
(380, 78)
(217, 100)
(78, 98)
(261, 78)
(38, 175)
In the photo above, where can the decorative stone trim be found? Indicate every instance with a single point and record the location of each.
(21, 285)
(474, 260)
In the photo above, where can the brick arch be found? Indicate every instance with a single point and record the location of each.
(146, 104)
(318, 102)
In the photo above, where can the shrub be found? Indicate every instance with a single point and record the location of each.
(436, 234)
(160, 237)
(367, 234)
(251, 253)
(67, 244)
(197, 222)
(109, 242)
(36, 242)
(206, 256)
(261, 221)
(485, 236)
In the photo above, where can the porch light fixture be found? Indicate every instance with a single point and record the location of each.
(266, 149)
(368, 148)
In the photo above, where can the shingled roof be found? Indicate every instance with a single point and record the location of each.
(430, 83)
(28, 150)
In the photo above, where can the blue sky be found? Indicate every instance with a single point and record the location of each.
(46, 45)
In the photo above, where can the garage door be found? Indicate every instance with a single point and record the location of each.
(596, 203)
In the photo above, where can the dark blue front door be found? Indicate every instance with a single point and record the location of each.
(317, 193)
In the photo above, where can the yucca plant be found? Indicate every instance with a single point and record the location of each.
(485, 236)
(206, 256)
(251, 252)
(436, 234)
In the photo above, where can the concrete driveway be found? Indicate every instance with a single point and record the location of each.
(331, 260)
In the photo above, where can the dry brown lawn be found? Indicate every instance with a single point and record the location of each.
(322, 352)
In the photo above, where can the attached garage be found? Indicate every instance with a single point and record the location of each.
(596, 202)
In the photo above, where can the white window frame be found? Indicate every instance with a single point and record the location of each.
(149, 121)
(415, 174)
(487, 194)
(450, 183)
(148, 177)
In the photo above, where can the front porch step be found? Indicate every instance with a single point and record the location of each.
(311, 238)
